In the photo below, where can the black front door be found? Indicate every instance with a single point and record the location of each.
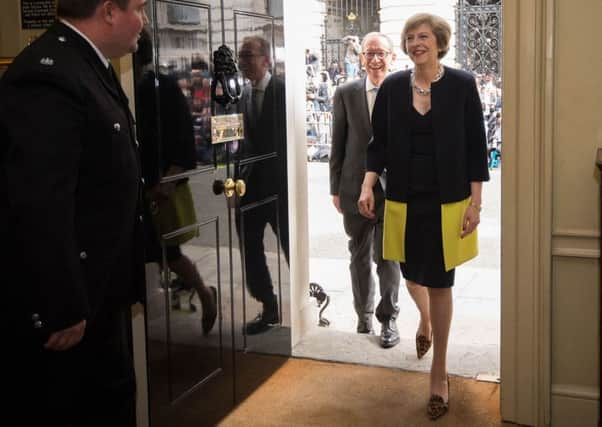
(205, 238)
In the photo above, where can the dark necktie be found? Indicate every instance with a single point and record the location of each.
(371, 100)
(257, 101)
(114, 82)
(112, 75)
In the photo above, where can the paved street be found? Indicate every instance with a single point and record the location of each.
(475, 334)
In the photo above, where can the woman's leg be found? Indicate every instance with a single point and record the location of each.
(187, 271)
(420, 296)
(441, 309)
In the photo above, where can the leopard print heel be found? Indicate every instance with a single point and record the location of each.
(423, 345)
(437, 407)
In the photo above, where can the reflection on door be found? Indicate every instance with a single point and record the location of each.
(262, 222)
(217, 264)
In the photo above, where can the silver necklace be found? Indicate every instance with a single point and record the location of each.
(422, 91)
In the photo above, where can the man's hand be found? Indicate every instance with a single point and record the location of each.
(336, 201)
(67, 338)
(365, 203)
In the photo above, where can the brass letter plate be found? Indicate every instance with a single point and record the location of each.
(226, 128)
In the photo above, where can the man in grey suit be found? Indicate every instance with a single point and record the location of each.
(351, 133)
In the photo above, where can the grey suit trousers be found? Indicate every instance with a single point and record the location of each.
(365, 244)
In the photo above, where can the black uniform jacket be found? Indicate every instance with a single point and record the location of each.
(458, 130)
(69, 188)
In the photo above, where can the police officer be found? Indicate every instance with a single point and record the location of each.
(70, 222)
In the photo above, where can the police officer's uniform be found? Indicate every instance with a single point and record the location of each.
(70, 229)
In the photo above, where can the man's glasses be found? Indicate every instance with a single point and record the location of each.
(381, 54)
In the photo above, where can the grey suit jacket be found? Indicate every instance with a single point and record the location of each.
(351, 133)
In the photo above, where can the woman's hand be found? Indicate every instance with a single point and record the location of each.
(365, 203)
(472, 218)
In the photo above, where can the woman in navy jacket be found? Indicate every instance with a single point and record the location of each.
(429, 136)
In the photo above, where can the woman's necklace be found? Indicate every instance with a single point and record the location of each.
(418, 89)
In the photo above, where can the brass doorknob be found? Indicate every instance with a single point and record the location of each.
(241, 188)
(229, 187)
(226, 187)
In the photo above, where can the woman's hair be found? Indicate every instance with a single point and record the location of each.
(438, 25)
(82, 9)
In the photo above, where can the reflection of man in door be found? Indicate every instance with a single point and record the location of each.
(263, 105)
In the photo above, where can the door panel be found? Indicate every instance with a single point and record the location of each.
(277, 339)
(262, 220)
(190, 374)
(195, 378)
(194, 359)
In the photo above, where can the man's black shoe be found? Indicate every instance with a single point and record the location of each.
(264, 321)
(389, 336)
(365, 327)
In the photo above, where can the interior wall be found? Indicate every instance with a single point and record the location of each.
(576, 211)
(550, 211)
(12, 38)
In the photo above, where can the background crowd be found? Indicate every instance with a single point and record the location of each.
(321, 83)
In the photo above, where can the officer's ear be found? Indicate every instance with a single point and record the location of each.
(107, 9)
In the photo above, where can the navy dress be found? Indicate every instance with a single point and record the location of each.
(424, 245)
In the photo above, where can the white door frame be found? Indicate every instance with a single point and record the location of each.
(302, 311)
(527, 210)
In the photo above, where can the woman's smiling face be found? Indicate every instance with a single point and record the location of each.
(421, 45)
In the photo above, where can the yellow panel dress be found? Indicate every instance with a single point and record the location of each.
(424, 234)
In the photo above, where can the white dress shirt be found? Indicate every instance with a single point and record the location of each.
(371, 91)
(104, 60)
